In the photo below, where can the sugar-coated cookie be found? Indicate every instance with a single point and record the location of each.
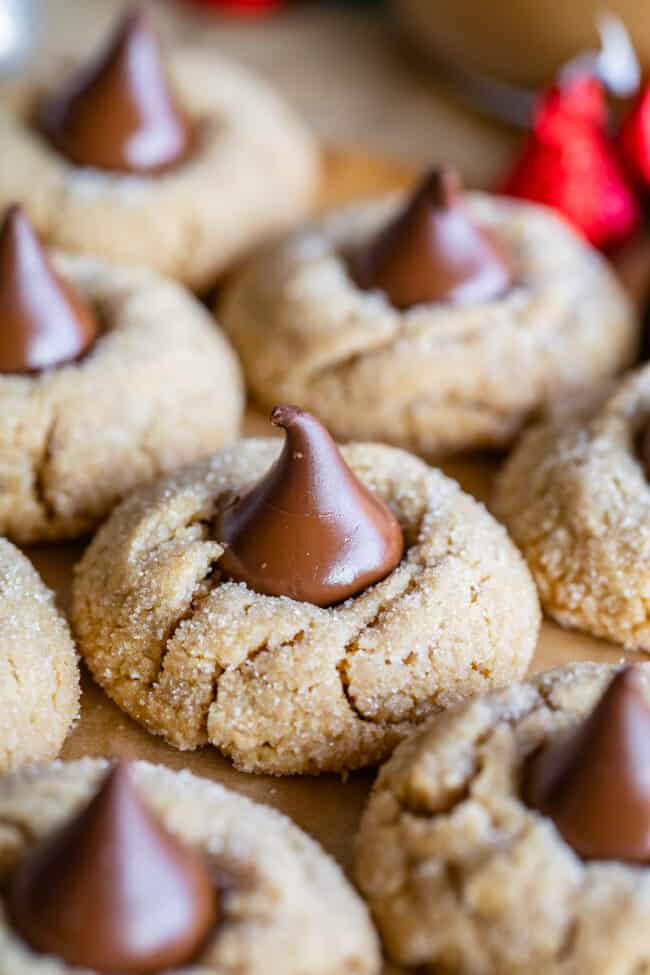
(575, 497)
(281, 684)
(412, 348)
(283, 906)
(158, 387)
(39, 676)
(465, 875)
(181, 165)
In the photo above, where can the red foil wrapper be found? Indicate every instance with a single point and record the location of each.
(570, 163)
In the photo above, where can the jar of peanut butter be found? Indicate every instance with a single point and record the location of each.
(523, 42)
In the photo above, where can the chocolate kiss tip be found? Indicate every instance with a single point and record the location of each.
(433, 251)
(13, 213)
(135, 20)
(284, 416)
(44, 321)
(143, 129)
(442, 185)
(309, 529)
(90, 893)
(630, 677)
(595, 786)
(135, 17)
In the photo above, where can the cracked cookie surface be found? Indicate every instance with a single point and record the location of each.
(287, 687)
(160, 387)
(287, 908)
(39, 676)
(464, 878)
(253, 173)
(434, 378)
(576, 500)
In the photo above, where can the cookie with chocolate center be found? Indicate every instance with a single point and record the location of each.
(436, 321)
(108, 377)
(146, 871)
(178, 160)
(301, 608)
(510, 834)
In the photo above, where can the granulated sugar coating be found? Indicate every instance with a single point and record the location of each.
(190, 222)
(39, 676)
(436, 377)
(286, 909)
(160, 388)
(287, 687)
(576, 500)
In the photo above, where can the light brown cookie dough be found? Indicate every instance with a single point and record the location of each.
(252, 173)
(434, 378)
(39, 676)
(160, 387)
(287, 906)
(576, 500)
(287, 687)
(464, 878)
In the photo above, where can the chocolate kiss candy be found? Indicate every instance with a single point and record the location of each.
(596, 786)
(433, 251)
(309, 529)
(112, 890)
(43, 320)
(119, 113)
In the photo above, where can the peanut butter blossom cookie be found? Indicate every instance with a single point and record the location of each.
(512, 834)
(576, 499)
(108, 376)
(301, 608)
(179, 165)
(39, 677)
(140, 870)
(434, 323)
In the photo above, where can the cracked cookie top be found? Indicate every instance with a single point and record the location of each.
(575, 496)
(39, 677)
(464, 877)
(285, 906)
(160, 387)
(190, 221)
(436, 376)
(289, 687)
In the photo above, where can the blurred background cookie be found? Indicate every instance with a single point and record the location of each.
(89, 852)
(181, 163)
